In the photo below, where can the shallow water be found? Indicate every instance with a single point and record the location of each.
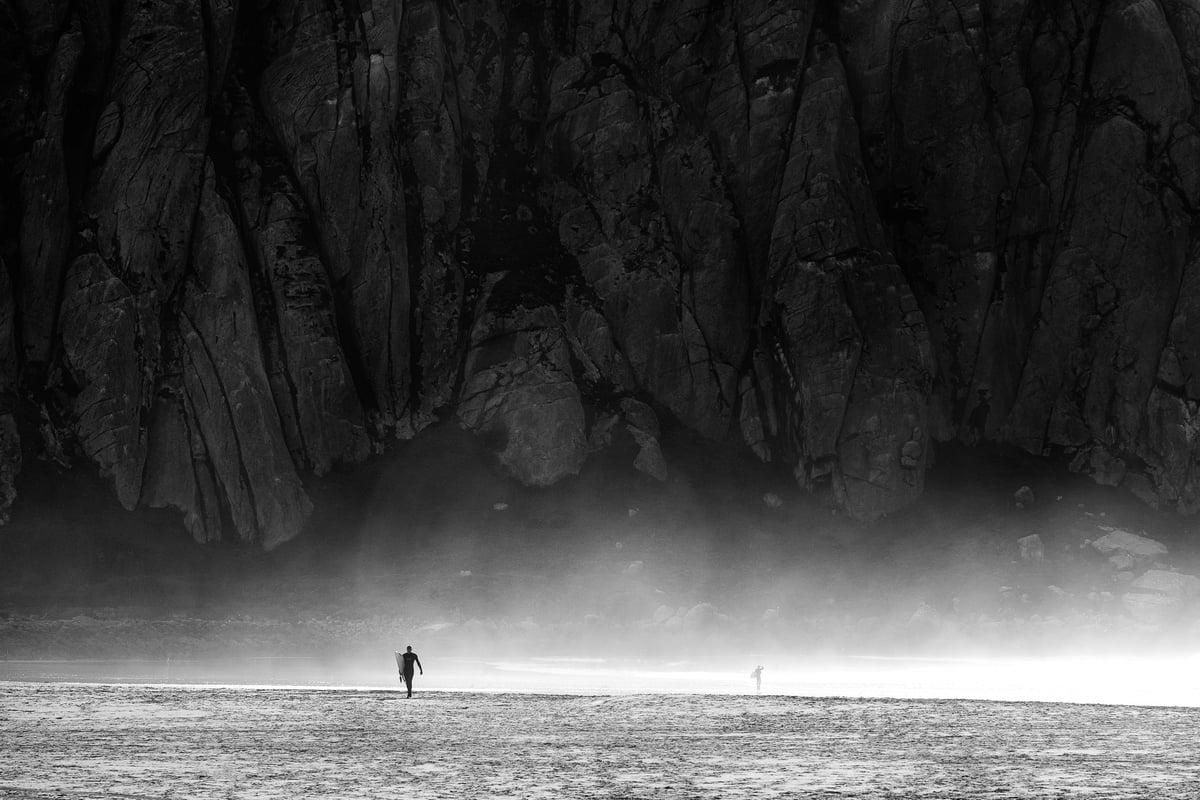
(1146, 680)
(69, 740)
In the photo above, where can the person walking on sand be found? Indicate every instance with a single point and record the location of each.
(757, 675)
(405, 661)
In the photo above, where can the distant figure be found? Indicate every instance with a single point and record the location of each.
(405, 662)
(757, 675)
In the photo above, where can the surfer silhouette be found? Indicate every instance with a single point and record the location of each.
(405, 661)
(757, 675)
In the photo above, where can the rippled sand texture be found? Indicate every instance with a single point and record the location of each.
(72, 740)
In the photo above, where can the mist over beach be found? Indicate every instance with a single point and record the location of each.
(615, 583)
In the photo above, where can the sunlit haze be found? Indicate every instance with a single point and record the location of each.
(1161, 681)
(610, 584)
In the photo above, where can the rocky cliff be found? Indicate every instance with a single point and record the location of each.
(243, 242)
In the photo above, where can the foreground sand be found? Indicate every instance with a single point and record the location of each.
(67, 740)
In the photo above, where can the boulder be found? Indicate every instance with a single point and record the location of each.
(639, 418)
(1177, 585)
(642, 424)
(1023, 497)
(1158, 593)
(519, 394)
(1127, 550)
(651, 461)
(753, 430)
(1031, 548)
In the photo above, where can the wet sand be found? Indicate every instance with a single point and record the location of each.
(72, 740)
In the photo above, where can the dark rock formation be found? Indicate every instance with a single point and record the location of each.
(331, 95)
(319, 409)
(518, 390)
(226, 394)
(10, 439)
(46, 200)
(243, 244)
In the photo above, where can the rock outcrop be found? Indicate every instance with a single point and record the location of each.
(10, 438)
(519, 391)
(1127, 550)
(243, 245)
(331, 96)
(226, 400)
(1159, 594)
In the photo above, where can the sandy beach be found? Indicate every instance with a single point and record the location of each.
(77, 740)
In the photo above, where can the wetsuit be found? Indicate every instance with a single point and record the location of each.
(410, 661)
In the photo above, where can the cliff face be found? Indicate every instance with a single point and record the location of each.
(244, 242)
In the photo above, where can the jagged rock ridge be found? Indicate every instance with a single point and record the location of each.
(242, 243)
